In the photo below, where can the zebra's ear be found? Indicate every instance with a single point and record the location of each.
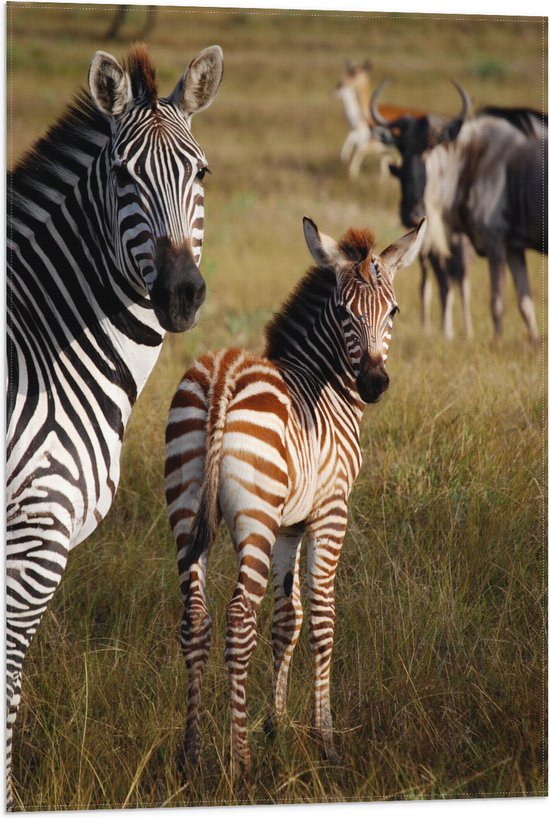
(198, 87)
(324, 249)
(110, 85)
(404, 251)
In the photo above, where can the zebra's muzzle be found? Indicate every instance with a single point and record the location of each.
(179, 289)
(372, 382)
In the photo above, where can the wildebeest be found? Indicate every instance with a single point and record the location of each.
(485, 178)
(354, 90)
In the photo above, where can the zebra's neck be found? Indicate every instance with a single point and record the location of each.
(59, 246)
(312, 345)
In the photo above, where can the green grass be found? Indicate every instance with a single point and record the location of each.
(439, 661)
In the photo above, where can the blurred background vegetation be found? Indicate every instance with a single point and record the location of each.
(439, 662)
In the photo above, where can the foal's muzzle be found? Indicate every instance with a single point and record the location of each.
(372, 380)
(179, 289)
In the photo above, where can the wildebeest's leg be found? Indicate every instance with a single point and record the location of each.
(465, 291)
(253, 537)
(425, 292)
(497, 269)
(184, 474)
(446, 294)
(457, 270)
(324, 546)
(288, 612)
(518, 267)
(37, 548)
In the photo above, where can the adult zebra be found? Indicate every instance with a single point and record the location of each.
(273, 445)
(104, 237)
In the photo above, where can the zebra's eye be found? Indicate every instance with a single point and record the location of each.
(394, 311)
(201, 173)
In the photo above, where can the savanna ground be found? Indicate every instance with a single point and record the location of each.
(439, 661)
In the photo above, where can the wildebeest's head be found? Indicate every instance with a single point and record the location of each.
(414, 137)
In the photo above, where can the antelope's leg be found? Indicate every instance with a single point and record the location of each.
(288, 612)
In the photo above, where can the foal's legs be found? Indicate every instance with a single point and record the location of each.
(288, 613)
(253, 538)
(185, 457)
(323, 553)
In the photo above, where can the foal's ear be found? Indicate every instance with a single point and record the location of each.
(109, 84)
(325, 251)
(197, 88)
(404, 251)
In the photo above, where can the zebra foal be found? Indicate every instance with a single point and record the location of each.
(105, 234)
(272, 445)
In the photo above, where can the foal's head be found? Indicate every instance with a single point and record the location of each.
(364, 299)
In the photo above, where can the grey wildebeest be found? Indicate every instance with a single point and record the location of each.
(485, 178)
(354, 90)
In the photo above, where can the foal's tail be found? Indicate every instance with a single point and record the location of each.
(220, 392)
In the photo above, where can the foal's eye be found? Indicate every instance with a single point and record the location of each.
(202, 173)
(394, 311)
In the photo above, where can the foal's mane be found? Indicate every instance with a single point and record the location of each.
(311, 294)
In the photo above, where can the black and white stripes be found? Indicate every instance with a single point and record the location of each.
(104, 237)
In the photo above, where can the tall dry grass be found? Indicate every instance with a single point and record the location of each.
(438, 673)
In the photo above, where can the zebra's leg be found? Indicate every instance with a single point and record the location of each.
(34, 567)
(253, 554)
(288, 612)
(518, 268)
(184, 475)
(323, 554)
(425, 293)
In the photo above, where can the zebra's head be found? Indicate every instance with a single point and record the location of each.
(153, 170)
(364, 299)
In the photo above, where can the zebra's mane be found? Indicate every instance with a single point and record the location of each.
(78, 135)
(310, 296)
(57, 159)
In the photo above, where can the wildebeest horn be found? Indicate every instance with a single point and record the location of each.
(374, 112)
(466, 101)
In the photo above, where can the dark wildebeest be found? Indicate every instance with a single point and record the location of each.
(485, 178)
(354, 90)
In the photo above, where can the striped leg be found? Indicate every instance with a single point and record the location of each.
(323, 554)
(288, 613)
(253, 553)
(34, 571)
(185, 458)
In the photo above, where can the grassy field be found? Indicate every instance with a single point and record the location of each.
(439, 661)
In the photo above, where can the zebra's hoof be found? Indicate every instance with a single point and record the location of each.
(330, 755)
(187, 759)
(270, 727)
